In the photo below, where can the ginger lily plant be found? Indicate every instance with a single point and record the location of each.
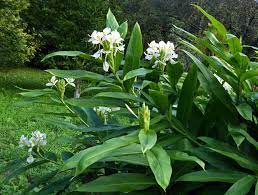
(188, 129)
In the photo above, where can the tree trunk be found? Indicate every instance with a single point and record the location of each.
(77, 92)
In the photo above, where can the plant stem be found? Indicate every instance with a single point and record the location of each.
(74, 112)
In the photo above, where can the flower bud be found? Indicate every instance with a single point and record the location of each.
(144, 117)
(61, 87)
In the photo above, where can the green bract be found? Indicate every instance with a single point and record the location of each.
(202, 123)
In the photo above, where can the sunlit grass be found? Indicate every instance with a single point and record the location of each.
(16, 120)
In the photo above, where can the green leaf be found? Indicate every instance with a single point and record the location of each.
(71, 54)
(218, 25)
(59, 122)
(94, 102)
(136, 72)
(245, 110)
(214, 85)
(120, 182)
(159, 162)
(56, 186)
(243, 61)
(130, 154)
(147, 139)
(228, 151)
(185, 103)
(87, 157)
(182, 156)
(107, 146)
(174, 71)
(160, 99)
(242, 186)
(133, 53)
(122, 29)
(21, 170)
(240, 131)
(37, 93)
(249, 74)
(89, 116)
(190, 35)
(213, 176)
(135, 159)
(238, 138)
(119, 95)
(111, 21)
(234, 43)
(256, 188)
(79, 74)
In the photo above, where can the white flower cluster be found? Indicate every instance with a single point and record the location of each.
(226, 86)
(105, 111)
(37, 139)
(109, 42)
(53, 81)
(161, 53)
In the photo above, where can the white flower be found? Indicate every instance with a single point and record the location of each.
(70, 81)
(96, 37)
(38, 138)
(30, 159)
(98, 54)
(52, 82)
(110, 42)
(105, 66)
(160, 52)
(120, 48)
(24, 141)
(113, 38)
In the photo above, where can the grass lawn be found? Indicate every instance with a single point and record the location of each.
(16, 120)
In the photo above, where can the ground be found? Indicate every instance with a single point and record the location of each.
(17, 119)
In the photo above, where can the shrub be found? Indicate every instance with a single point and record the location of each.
(143, 118)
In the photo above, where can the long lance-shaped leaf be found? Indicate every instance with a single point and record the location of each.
(159, 162)
(136, 72)
(119, 95)
(79, 74)
(87, 157)
(94, 102)
(213, 176)
(243, 133)
(216, 88)
(248, 75)
(242, 186)
(111, 21)
(228, 151)
(120, 182)
(182, 156)
(131, 154)
(218, 25)
(185, 103)
(133, 53)
(21, 170)
(71, 54)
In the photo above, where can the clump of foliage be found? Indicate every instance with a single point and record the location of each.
(150, 127)
(17, 46)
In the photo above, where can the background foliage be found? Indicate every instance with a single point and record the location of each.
(31, 29)
(17, 46)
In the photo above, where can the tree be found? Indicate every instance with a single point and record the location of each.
(63, 25)
(17, 46)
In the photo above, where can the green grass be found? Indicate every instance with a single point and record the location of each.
(16, 120)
